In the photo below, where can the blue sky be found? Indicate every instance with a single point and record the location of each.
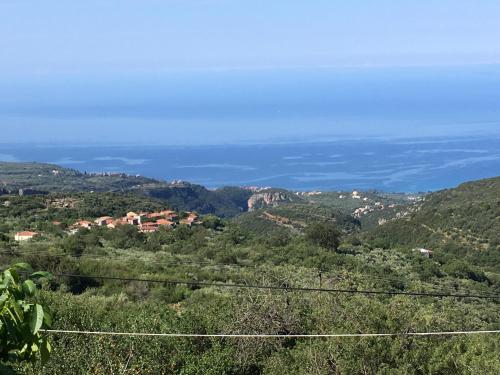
(215, 71)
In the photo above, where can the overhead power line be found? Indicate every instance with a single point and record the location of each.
(443, 292)
(263, 336)
(183, 262)
(283, 288)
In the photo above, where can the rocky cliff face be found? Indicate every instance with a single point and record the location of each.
(266, 199)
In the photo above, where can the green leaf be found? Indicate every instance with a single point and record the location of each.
(19, 313)
(8, 278)
(23, 266)
(36, 319)
(47, 318)
(45, 350)
(29, 288)
(23, 349)
(41, 274)
(3, 298)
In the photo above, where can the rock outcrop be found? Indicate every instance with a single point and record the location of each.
(270, 198)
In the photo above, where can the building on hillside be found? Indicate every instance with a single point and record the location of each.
(165, 223)
(82, 224)
(192, 217)
(168, 212)
(149, 227)
(25, 236)
(103, 221)
(133, 219)
(355, 195)
(112, 224)
(425, 252)
(85, 224)
(155, 215)
(186, 222)
(172, 217)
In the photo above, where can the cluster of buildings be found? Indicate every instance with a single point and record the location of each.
(146, 222)
(110, 174)
(308, 193)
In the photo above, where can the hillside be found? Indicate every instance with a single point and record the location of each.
(294, 218)
(38, 178)
(369, 207)
(464, 221)
(41, 177)
(224, 202)
(181, 278)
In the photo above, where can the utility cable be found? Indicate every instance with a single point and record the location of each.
(334, 335)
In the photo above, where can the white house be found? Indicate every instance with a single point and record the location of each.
(25, 236)
(133, 219)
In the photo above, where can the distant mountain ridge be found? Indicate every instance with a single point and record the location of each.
(53, 178)
(39, 177)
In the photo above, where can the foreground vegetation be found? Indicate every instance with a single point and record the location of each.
(313, 252)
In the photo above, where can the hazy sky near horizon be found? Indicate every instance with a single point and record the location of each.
(96, 36)
(223, 71)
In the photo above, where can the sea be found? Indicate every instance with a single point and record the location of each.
(390, 165)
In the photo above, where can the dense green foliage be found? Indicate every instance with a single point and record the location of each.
(309, 246)
(468, 214)
(325, 235)
(461, 223)
(22, 318)
(224, 202)
(294, 218)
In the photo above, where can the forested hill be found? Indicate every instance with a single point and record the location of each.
(50, 178)
(464, 220)
(39, 178)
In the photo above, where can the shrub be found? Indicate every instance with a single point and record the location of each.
(325, 235)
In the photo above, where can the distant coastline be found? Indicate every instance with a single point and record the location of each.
(403, 165)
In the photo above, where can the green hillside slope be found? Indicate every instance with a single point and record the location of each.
(461, 222)
(36, 178)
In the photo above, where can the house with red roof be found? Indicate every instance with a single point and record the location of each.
(25, 236)
(165, 223)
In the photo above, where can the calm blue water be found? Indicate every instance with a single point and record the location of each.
(409, 165)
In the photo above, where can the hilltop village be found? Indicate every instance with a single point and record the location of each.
(145, 222)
